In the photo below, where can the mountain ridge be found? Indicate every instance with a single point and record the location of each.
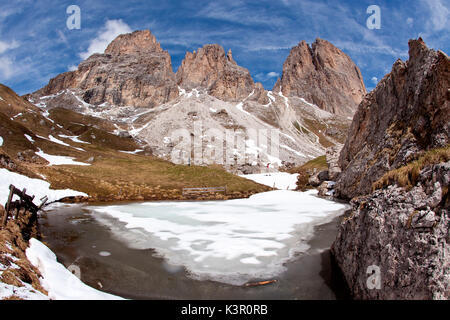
(208, 67)
(133, 85)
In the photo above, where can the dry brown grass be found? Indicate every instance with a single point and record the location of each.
(12, 298)
(319, 163)
(407, 175)
(11, 103)
(135, 177)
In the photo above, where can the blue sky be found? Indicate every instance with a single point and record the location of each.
(36, 45)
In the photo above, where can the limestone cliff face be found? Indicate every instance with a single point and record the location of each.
(407, 113)
(135, 74)
(134, 71)
(401, 228)
(324, 75)
(403, 233)
(217, 72)
(133, 43)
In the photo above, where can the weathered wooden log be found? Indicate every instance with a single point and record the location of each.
(43, 202)
(204, 190)
(8, 204)
(18, 210)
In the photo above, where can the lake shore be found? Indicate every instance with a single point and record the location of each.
(108, 264)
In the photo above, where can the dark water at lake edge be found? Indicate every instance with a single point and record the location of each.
(76, 237)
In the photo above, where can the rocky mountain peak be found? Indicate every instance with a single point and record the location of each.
(417, 49)
(132, 43)
(210, 68)
(324, 75)
(133, 71)
(230, 57)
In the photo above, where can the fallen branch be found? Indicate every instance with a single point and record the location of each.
(260, 283)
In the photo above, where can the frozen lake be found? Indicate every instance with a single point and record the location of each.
(202, 250)
(231, 241)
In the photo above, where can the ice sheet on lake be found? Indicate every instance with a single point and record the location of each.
(232, 241)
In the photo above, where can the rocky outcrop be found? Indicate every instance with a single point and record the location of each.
(333, 161)
(395, 242)
(403, 236)
(218, 73)
(404, 115)
(133, 71)
(323, 75)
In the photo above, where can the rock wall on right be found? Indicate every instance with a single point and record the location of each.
(394, 242)
(402, 237)
(406, 114)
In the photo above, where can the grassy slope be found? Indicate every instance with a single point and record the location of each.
(11, 104)
(113, 175)
(305, 171)
(137, 177)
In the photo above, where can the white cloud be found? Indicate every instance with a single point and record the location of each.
(62, 37)
(267, 76)
(108, 33)
(374, 80)
(409, 21)
(6, 12)
(5, 46)
(261, 46)
(376, 46)
(6, 63)
(72, 67)
(439, 15)
(237, 11)
(6, 68)
(273, 74)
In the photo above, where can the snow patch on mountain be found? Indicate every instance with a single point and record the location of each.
(59, 160)
(36, 187)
